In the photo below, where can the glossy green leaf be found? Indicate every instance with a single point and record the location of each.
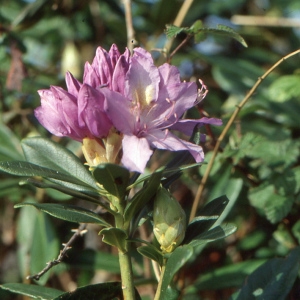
(9, 145)
(113, 178)
(176, 260)
(33, 291)
(229, 276)
(103, 291)
(115, 237)
(142, 197)
(25, 234)
(216, 233)
(45, 246)
(68, 212)
(80, 192)
(51, 155)
(207, 217)
(272, 280)
(151, 252)
(27, 169)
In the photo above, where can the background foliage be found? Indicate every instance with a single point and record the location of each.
(257, 168)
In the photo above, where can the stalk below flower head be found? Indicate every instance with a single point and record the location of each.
(125, 105)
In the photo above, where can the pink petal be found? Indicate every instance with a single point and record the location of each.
(136, 153)
(167, 141)
(73, 84)
(142, 80)
(91, 112)
(187, 126)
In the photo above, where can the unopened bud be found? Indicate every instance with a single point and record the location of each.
(93, 151)
(169, 221)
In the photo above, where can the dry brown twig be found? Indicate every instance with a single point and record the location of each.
(80, 231)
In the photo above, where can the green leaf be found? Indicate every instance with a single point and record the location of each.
(173, 31)
(51, 155)
(229, 32)
(103, 291)
(27, 169)
(9, 145)
(115, 237)
(199, 36)
(176, 260)
(113, 178)
(275, 206)
(216, 233)
(68, 212)
(80, 192)
(142, 197)
(272, 280)
(151, 252)
(208, 216)
(285, 88)
(45, 246)
(226, 277)
(30, 290)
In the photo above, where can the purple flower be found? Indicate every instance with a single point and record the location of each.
(124, 103)
(152, 103)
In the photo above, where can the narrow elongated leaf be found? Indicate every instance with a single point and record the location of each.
(177, 259)
(113, 178)
(81, 192)
(24, 168)
(115, 237)
(48, 154)
(68, 212)
(216, 233)
(272, 280)
(44, 247)
(103, 291)
(30, 290)
(142, 197)
(208, 216)
(229, 276)
(9, 145)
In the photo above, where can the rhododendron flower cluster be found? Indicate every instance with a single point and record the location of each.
(124, 108)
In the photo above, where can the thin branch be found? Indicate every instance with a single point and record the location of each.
(129, 26)
(77, 233)
(225, 130)
(178, 21)
(178, 47)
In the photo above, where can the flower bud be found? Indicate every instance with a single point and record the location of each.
(169, 221)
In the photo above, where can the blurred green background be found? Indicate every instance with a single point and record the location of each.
(257, 167)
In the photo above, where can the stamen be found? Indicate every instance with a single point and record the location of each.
(201, 94)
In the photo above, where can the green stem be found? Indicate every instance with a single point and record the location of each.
(158, 291)
(126, 275)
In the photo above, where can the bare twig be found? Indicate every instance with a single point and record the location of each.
(178, 47)
(130, 31)
(178, 21)
(80, 231)
(225, 130)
